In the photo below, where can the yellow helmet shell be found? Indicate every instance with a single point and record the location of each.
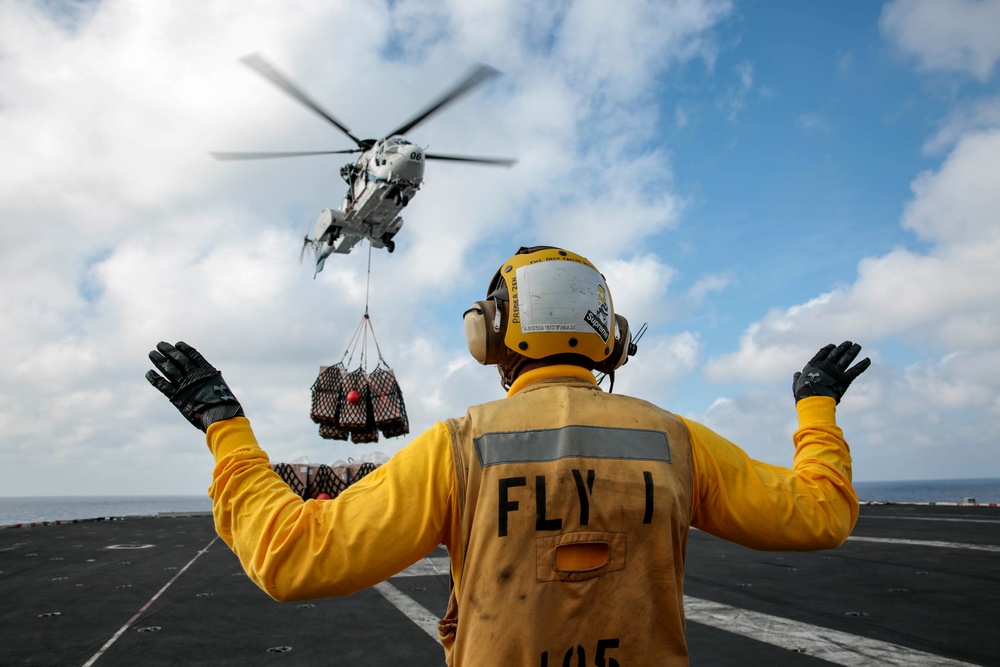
(559, 304)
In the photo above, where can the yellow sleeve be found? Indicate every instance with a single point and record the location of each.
(295, 549)
(810, 506)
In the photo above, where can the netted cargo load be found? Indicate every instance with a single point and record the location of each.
(364, 436)
(295, 475)
(333, 432)
(327, 393)
(387, 403)
(329, 481)
(356, 408)
(355, 405)
(351, 471)
(361, 470)
(325, 480)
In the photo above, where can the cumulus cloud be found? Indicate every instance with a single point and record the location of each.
(943, 297)
(661, 368)
(709, 284)
(120, 231)
(941, 301)
(967, 117)
(950, 36)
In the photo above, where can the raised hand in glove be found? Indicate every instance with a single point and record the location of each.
(192, 384)
(827, 373)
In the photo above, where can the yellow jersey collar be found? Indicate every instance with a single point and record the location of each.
(549, 372)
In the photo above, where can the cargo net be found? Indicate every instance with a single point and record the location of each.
(355, 404)
(295, 475)
(387, 402)
(326, 481)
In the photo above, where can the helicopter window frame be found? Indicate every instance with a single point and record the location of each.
(394, 145)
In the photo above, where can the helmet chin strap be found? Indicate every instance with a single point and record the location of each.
(510, 368)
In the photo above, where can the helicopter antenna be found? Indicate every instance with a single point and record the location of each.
(257, 63)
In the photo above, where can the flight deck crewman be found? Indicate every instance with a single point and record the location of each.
(565, 509)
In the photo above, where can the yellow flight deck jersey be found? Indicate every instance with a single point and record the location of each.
(565, 511)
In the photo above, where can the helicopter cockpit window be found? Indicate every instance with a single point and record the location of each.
(393, 145)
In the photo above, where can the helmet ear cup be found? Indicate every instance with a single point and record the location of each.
(619, 355)
(484, 332)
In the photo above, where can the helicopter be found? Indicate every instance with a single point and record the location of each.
(381, 182)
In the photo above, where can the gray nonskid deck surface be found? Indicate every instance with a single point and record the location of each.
(915, 585)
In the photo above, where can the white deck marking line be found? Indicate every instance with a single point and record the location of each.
(413, 610)
(139, 613)
(427, 567)
(837, 647)
(929, 518)
(927, 543)
(840, 648)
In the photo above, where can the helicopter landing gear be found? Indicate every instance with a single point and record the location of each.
(389, 244)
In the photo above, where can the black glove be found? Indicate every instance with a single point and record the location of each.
(193, 385)
(827, 374)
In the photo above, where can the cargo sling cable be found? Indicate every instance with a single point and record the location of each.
(355, 404)
(361, 333)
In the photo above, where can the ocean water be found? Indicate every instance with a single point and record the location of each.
(984, 491)
(68, 508)
(25, 510)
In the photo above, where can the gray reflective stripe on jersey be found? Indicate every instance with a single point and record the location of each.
(589, 442)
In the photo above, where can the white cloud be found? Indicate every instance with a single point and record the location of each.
(945, 297)
(813, 124)
(758, 421)
(946, 35)
(660, 368)
(120, 231)
(680, 116)
(955, 206)
(966, 118)
(615, 51)
(930, 420)
(736, 99)
(942, 301)
(711, 283)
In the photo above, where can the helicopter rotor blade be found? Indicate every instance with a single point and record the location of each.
(494, 161)
(264, 156)
(306, 242)
(257, 63)
(477, 75)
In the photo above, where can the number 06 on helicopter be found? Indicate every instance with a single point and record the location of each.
(381, 182)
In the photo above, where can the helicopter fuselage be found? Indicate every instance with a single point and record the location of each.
(380, 184)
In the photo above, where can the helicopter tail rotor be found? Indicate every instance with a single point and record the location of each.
(306, 242)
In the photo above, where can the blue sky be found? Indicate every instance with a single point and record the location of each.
(756, 179)
(796, 154)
